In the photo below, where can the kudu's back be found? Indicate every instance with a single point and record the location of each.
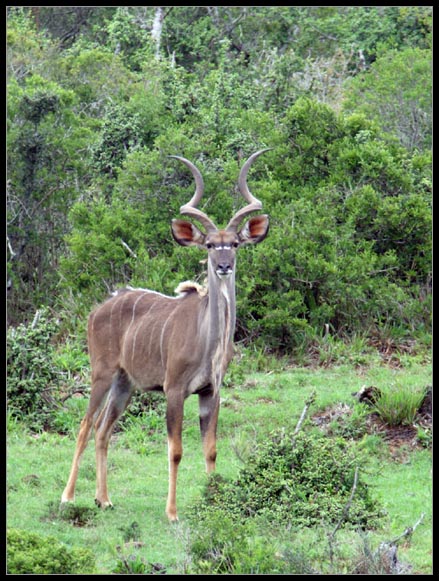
(141, 331)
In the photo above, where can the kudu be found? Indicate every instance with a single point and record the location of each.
(182, 345)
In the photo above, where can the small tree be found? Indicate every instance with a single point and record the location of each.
(396, 92)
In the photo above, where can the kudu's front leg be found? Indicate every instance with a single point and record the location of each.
(209, 404)
(174, 424)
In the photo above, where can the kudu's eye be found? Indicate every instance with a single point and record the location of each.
(235, 245)
(209, 246)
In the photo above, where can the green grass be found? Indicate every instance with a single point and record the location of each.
(399, 406)
(38, 467)
(405, 489)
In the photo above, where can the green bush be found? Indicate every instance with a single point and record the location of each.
(30, 553)
(350, 237)
(291, 483)
(67, 418)
(75, 514)
(132, 564)
(301, 481)
(93, 115)
(32, 377)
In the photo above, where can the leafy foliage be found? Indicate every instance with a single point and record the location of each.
(30, 553)
(222, 546)
(335, 251)
(396, 92)
(301, 480)
(99, 97)
(31, 374)
(74, 514)
(132, 564)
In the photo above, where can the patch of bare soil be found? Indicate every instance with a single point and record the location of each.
(391, 350)
(396, 437)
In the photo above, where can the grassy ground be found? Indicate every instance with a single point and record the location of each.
(38, 467)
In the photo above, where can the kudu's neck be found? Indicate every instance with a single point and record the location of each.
(222, 306)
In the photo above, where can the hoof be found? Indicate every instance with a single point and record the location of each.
(104, 504)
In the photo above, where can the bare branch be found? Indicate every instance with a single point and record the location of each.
(348, 504)
(130, 252)
(387, 550)
(36, 319)
(308, 404)
(78, 389)
(10, 247)
(343, 517)
(156, 32)
(408, 531)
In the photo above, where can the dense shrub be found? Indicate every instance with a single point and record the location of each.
(406, 75)
(73, 513)
(301, 480)
(350, 238)
(92, 191)
(290, 482)
(30, 553)
(31, 373)
(349, 243)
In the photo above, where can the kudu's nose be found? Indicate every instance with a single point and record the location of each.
(224, 268)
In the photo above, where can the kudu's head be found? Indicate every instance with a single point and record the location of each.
(221, 244)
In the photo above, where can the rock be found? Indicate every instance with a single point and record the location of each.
(368, 394)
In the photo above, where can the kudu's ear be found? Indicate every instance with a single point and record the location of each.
(255, 230)
(186, 234)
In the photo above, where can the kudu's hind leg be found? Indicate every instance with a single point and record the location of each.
(119, 398)
(100, 387)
